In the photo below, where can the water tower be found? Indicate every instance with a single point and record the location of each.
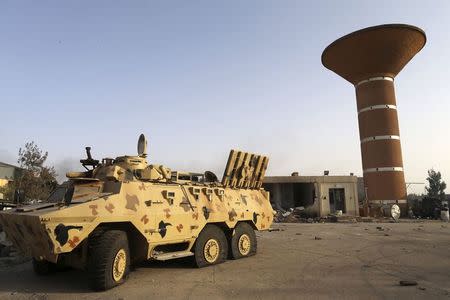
(370, 59)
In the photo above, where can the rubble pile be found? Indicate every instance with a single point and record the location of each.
(299, 215)
(293, 215)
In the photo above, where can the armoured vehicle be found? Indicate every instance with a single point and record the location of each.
(121, 211)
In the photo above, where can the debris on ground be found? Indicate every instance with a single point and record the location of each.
(8, 255)
(407, 282)
(317, 238)
(366, 219)
(299, 215)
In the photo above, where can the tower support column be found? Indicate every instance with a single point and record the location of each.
(379, 134)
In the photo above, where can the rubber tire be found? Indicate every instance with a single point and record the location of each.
(43, 267)
(210, 232)
(102, 251)
(239, 230)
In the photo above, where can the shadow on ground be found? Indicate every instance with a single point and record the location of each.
(179, 263)
(21, 278)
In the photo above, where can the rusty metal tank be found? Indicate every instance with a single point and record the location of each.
(124, 210)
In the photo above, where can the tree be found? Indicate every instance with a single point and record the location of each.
(436, 187)
(36, 181)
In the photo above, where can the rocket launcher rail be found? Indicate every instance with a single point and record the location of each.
(244, 170)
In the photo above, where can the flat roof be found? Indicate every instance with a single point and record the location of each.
(310, 179)
(2, 164)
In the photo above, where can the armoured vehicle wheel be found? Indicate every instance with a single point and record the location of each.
(211, 247)
(243, 241)
(43, 267)
(109, 260)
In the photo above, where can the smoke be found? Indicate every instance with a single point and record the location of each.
(66, 165)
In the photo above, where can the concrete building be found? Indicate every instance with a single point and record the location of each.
(319, 195)
(8, 173)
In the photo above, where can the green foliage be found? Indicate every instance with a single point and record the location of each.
(436, 187)
(36, 180)
(31, 158)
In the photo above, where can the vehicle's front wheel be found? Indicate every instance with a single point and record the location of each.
(109, 259)
(211, 247)
(243, 241)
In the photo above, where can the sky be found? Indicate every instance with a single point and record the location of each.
(199, 78)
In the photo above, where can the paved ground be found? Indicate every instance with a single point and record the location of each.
(345, 261)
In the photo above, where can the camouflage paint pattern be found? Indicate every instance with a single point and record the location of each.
(162, 208)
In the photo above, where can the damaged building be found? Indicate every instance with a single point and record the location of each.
(8, 173)
(318, 195)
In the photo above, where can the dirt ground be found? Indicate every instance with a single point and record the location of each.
(357, 261)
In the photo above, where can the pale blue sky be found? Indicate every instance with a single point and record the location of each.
(201, 77)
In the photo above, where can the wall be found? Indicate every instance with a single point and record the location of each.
(351, 197)
(3, 182)
(7, 172)
(283, 195)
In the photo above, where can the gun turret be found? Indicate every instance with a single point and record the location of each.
(89, 161)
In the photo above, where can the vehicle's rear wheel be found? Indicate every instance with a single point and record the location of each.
(211, 247)
(243, 241)
(109, 260)
(43, 267)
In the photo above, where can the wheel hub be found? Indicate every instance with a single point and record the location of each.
(211, 250)
(244, 244)
(119, 265)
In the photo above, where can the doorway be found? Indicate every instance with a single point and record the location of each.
(337, 200)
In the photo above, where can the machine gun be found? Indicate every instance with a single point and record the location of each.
(89, 161)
